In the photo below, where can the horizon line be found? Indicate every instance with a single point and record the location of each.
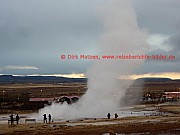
(170, 75)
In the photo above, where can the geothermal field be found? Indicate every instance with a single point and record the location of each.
(140, 117)
(105, 99)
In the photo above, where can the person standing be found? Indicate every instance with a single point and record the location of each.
(45, 118)
(49, 116)
(17, 118)
(109, 115)
(116, 115)
(11, 118)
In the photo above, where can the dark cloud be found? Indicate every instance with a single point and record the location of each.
(35, 33)
(158, 16)
(175, 41)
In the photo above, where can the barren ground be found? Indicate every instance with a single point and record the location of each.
(143, 124)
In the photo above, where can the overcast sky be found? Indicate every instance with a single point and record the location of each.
(34, 33)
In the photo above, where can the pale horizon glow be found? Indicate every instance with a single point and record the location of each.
(172, 75)
(73, 75)
(12, 67)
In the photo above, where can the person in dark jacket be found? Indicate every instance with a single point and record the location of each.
(17, 118)
(11, 118)
(49, 118)
(109, 115)
(116, 115)
(45, 118)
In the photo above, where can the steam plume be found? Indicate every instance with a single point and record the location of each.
(121, 36)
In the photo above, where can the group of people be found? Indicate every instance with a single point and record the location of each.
(16, 119)
(12, 119)
(49, 118)
(115, 115)
(45, 118)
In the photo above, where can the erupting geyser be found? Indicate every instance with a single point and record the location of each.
(121, 36)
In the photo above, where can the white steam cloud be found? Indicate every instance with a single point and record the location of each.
(121, 36)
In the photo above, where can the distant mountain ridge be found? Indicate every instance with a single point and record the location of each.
(53, 79)
(154, 79)
(38, 79)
